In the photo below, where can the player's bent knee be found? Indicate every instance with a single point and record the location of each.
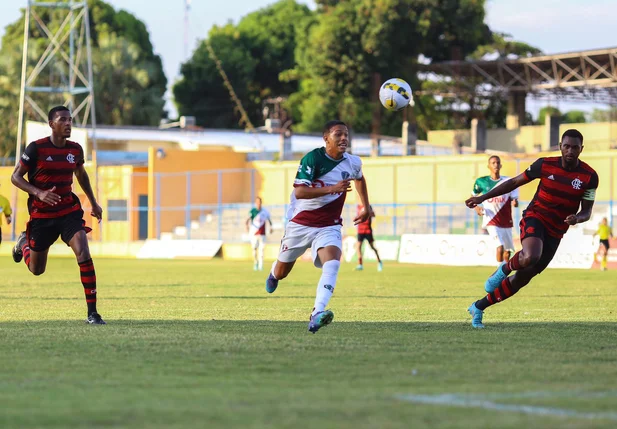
(527, 260)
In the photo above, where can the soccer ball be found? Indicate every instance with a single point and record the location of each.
(395, 94)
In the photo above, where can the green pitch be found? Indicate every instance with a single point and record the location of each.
(201, 344)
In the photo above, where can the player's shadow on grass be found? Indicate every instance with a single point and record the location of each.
(604, 330)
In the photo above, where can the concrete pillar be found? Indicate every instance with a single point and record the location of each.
(478, 135)
(285, 152)
(409, 137)
(516, 110)
(551, 132)
(375, 142)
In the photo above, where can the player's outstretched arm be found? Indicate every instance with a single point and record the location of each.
(308, 193)
(362, 189)
(84, 181)
(47, 196)
(506, 187)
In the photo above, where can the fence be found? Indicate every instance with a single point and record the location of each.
(215, 204)
(227, 222)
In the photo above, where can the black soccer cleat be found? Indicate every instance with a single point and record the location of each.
(17, 253)
(95, 319)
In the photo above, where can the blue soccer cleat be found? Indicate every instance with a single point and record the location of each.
(380, 267)
(320, 320)
(359, 268)
(494, 281)
(271, 283)
(476, 316)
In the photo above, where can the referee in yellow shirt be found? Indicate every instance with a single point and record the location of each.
(604, 232)
(5, 209)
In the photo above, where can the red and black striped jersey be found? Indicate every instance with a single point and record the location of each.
(559, 193)
(365, 227)
(50, 166)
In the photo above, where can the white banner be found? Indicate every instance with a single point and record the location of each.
(181, 249)
(444, 249)
(575, 251)
(388, 249)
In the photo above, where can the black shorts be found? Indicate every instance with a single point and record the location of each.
(42, 233)
(533, 227)
(605, 244)
(368, 237)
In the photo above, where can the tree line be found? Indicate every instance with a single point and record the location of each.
(323, 63)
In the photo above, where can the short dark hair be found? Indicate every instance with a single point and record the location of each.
(54, 110)
(330, 124)
(494, 156)
(573, 134)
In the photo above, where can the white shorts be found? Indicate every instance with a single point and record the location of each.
(501, 236)
(258, 241)
(298, 238)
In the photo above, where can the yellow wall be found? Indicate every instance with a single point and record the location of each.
(416, 180)
(599, 136)
(447, 138)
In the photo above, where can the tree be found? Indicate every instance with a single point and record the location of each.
(548, 110)
(503, 46)
(201, 91)
(252, 55)
(129, 82)
(599, 115)
(574, 117)
(350, 42)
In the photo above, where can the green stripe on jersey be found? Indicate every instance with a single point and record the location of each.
(315, 164)
(485, 184)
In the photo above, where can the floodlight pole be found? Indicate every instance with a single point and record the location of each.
(75, 28)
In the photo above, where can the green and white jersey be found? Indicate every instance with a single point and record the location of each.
(318, 170)
(498, 210)
(258, 221)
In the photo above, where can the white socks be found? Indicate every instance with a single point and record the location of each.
(272, 270)
(260, 257)
(326, 285)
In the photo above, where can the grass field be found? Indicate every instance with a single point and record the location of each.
(200, 344)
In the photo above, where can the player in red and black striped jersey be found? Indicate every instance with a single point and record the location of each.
(55, 211)
(566, 183)
(365, 232)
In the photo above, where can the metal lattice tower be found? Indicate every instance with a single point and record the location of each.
(62, 73)
(69, 53)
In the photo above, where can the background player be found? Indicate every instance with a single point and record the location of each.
(604, 232)
(565, 184)
(497, 211)
(55, 211)
(256, 227)
(320, 189)
(5, 209)
(365, 232)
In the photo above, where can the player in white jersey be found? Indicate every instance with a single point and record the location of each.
(256, 227)
(320, 188)
(497, 211)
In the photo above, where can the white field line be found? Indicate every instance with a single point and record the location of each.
(465, 401)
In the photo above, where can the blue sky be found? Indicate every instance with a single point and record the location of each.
(552, 25)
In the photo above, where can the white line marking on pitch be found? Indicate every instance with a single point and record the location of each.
(471, 402)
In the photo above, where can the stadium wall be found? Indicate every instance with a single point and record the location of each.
(599, 136)
(205, 179)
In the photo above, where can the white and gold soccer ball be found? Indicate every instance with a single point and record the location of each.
(395, 94)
